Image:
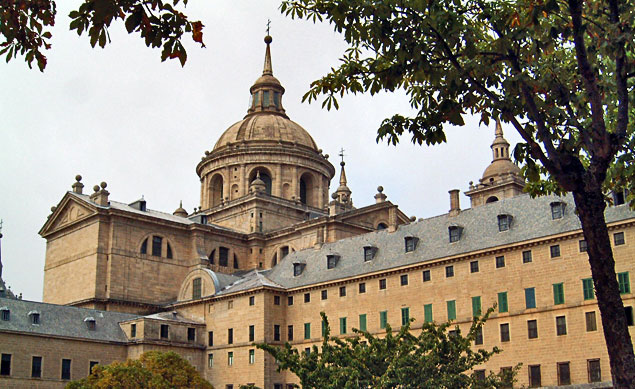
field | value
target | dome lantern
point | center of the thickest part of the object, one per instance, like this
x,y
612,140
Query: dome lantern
x,y
266,92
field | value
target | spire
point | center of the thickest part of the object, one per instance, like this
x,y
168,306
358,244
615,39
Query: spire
x,y
343,193
266,92
268,69
500,146
342,174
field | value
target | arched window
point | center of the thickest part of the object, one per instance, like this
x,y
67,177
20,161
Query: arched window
x,y
216,190
284,251
491,199
169,254
381,226
302,191
264,176
144,246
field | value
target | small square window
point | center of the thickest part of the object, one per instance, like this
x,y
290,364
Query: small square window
x,y
362,287
342,291
618,238
290,300
504,222
276,300
307,297
527,258
479,375
324,294
500,262
449,271
297,269
331,261
583,246
411,243
555,250
474,267
252,300
403,279
369,253
557,210
382,283
426,275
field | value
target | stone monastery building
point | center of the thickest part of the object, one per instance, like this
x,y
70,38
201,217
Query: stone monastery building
x,y
269,249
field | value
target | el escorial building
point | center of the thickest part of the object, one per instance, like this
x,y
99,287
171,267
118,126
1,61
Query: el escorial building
x,y
269,249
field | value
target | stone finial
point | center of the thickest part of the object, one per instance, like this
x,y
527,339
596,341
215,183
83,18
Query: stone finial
x,y
78,187
413,218
380,197
100,197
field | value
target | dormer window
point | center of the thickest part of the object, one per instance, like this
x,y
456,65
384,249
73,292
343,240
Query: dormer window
x,y
411,243
455,233
298,268
369,253
557,210
504,222
5,314
90,323
35,317
331,261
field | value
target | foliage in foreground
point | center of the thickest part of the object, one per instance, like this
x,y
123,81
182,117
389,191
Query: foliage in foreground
x,y
153,369
436,358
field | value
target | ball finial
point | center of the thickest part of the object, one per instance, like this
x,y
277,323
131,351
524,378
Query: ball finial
x,y
268,39
103,185
380,189
96,188
78,178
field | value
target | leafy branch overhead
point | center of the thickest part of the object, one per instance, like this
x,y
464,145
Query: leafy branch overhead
x,y
159,23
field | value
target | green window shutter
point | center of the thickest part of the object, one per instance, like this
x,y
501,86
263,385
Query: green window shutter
x,y
502,302
427,313
342,325
362,322
307,330
405,316
587,289
530,298
452,310
476,306
383,319
624,282
558,293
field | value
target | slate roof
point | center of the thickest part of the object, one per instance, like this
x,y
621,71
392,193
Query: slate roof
x,y
250,280
62,320
531,220
172,316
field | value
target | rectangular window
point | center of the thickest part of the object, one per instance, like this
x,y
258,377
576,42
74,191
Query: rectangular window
x,y
191,334
427,313
230,358
564,373
502,302
331,261
500,262
629,316
290,333
36,367
66,369
290,300
478,336
532,329
133,330
91,366
587,289
503,222
383,319
324,294
276,300
591,324
583,246
504,329
156,245
530,298
252,356
230,336
405,316
558,293
252,333
307,297
223,256
276,332
595,374
362,287
527,256
342,291
342,325
210,338
165,331
561,325
265,98
307,330
451,310
276,102
449,271
426,275
455,233
476,306
624,282
479,375
534,376
196,288
411,243
557,210
369,253
5,365
210,360
474,267
35,318
555,251
362,322
382,284
618,238
252,300
403,279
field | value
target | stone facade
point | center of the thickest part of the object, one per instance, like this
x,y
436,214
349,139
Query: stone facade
x,y
267,251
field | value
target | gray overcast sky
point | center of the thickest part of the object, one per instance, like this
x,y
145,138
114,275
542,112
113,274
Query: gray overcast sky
x,y
120,115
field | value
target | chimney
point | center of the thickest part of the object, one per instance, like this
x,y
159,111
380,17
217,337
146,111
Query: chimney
x,y
455,207
78,186
100,197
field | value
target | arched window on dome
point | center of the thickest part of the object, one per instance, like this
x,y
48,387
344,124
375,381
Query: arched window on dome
x,y
307,190
216,190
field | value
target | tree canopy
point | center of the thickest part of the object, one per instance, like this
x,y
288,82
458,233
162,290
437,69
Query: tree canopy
x,y
561,72
439,357
153,369
24,25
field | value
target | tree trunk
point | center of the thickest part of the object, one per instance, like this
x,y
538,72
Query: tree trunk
x,y
590,207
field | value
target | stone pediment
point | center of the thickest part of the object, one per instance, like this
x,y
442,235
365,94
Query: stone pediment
x,y
70,211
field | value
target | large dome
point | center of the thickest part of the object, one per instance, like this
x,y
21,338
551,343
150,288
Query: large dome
x,y
266,127
500,167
